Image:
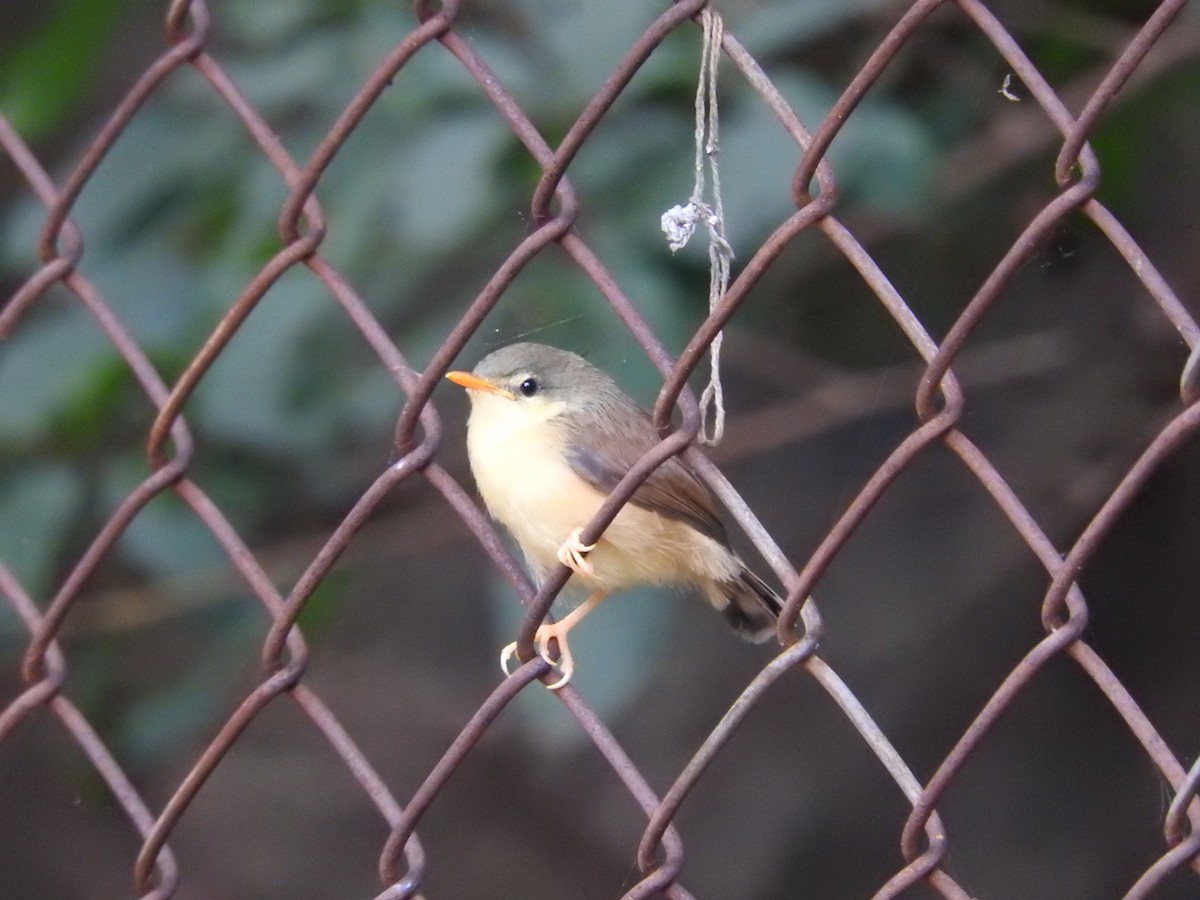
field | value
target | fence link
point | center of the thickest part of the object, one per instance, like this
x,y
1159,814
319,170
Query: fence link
x,y
926,840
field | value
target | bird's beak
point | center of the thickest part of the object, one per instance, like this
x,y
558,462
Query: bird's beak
x,y
475,383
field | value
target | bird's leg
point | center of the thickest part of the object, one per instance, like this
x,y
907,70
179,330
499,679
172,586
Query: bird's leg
x,y
557,632
572,554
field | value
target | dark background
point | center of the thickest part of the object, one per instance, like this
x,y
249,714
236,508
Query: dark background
x,y
929,606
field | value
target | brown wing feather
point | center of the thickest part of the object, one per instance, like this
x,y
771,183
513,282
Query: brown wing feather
x,y
603,448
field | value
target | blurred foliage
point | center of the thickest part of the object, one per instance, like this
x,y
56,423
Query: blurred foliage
x,y
43,84
425,200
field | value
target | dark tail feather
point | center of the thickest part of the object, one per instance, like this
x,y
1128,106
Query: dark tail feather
x,y
752,607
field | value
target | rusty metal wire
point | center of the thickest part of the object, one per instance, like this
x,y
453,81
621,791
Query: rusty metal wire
x,y
940,402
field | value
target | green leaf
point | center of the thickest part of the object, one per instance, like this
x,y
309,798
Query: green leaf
x,y
44,82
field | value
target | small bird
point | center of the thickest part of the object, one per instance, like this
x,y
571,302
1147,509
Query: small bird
x,y
549,436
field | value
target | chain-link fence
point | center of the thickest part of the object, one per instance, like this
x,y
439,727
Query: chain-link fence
x,y
928,838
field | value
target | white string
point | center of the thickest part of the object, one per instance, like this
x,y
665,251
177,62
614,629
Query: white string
x,y
679,222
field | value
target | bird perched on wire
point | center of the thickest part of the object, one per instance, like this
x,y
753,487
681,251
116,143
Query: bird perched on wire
x,y
549,436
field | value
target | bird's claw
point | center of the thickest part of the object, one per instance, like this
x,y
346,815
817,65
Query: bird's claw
x,y
545,633
573,554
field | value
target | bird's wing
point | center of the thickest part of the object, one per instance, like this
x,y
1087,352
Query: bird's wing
x,y
602,452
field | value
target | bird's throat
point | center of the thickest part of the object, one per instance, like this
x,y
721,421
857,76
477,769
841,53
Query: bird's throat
x,y
517,457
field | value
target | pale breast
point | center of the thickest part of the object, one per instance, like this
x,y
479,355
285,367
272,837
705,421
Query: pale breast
x,y
516,457
520,470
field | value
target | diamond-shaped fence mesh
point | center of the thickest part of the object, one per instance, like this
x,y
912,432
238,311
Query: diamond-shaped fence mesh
x,y
937,779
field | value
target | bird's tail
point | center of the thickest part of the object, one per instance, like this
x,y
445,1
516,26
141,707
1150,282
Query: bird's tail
x,y
750,606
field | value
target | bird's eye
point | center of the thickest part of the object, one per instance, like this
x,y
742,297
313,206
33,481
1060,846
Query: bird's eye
x,y
529,387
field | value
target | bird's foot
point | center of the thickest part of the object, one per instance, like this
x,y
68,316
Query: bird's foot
x,y
573,554
542,637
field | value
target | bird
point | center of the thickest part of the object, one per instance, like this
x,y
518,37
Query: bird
x,y
549,435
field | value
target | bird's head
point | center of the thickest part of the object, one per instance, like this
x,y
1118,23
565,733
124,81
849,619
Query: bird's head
x,y
533,383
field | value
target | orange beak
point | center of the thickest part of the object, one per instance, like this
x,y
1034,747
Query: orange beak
x,y
475,383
